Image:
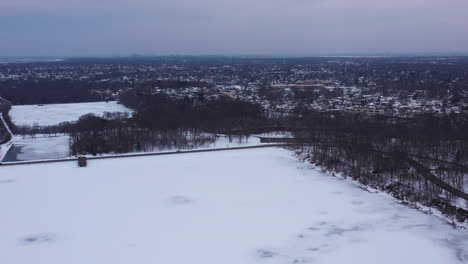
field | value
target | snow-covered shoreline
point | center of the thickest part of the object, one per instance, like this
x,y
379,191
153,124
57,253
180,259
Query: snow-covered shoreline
x,y
417,206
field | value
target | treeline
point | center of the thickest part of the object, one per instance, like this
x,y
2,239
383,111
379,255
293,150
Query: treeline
x,y
159,122
4,135
50,91
112,136
410,158
161,111
5,107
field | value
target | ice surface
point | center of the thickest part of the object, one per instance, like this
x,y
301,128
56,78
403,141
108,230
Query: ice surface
x,y
231,207
53,114
39,147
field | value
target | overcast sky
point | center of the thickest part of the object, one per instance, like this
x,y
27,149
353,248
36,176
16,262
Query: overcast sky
x,y
286,27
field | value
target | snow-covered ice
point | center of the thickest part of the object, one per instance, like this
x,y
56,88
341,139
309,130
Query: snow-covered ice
x,y
53,114
38,148
242,206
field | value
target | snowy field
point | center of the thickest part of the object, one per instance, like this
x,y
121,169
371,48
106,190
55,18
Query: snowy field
x,y
53,114
231,207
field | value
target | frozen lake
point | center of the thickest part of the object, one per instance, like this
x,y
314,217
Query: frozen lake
x,y
231,207
53,114
38,148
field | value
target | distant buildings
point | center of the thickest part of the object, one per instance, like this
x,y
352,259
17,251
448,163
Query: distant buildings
x,y
371,111
307,84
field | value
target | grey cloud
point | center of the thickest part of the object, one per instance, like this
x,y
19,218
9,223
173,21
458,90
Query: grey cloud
x,y
83,27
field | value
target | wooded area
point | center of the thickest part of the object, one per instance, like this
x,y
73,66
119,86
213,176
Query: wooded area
x,y
421,160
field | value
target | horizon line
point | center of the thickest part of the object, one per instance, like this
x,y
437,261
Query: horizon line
x,y
240,55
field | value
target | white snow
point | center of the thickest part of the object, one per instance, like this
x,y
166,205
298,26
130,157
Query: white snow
x,y
231,207
42,147
223,142
53,114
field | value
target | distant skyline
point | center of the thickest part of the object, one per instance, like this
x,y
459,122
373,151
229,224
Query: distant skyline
x,y
236,27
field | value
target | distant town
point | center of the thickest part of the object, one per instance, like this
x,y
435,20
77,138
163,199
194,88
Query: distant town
x,y
404,87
